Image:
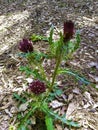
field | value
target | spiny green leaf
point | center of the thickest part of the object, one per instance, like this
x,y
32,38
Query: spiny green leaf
x,y
22,127
18,97
26,69
25,120
55,116
35,38
56,92
78,40
29,72
19,116
36,56
22,55
77,76
53,48
63,119
51,35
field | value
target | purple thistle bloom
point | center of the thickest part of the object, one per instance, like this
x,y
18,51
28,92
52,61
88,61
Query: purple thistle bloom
x,y
68,30
37,87
25,46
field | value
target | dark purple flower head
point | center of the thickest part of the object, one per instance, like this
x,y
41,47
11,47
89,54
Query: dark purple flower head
x,y
68,30
25,46
37,87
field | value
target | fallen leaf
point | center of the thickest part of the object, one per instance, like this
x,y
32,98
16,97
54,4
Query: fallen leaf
x,y
33,120
95,78
86,105
70,97
58,127
71,108
8,112
24,106
66,128
29,80
93,64
88,97
76,91
96,85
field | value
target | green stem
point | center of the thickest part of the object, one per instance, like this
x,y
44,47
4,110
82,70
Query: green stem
x,y
55,71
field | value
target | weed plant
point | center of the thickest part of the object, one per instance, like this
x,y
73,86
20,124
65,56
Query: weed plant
x,y
41,91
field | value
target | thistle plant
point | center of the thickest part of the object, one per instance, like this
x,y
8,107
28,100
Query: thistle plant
x,y
42,90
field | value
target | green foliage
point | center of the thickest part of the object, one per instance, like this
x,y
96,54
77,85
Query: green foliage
x,y
50,39
58,50
26,69
56,92
77,76
78,40
19,98
26,119
35,38
49,123
11,128
29,72
36,56
23,127
55,116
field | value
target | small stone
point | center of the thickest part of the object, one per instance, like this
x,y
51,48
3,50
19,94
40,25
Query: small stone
x,y
56,104
96,27
91,35
76,91
70,97
30,80
13,110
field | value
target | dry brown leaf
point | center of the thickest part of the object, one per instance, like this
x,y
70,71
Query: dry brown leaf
x,y
8,113
76,91
94,78
23,107
86,105
89,98
71,108
58,127
93,64
66,128
70,97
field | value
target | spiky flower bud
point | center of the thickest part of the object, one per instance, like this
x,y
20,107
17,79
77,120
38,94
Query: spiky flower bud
x,y
25,46
68,30
37,87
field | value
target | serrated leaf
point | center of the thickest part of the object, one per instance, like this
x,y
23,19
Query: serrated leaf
x,y
19,98
77,76
35,38
51,35
19,116
49,123
25,120
78,40
53,48
22,127
26,69
63,119
55,116
23,55
36,56
29,72
58,92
